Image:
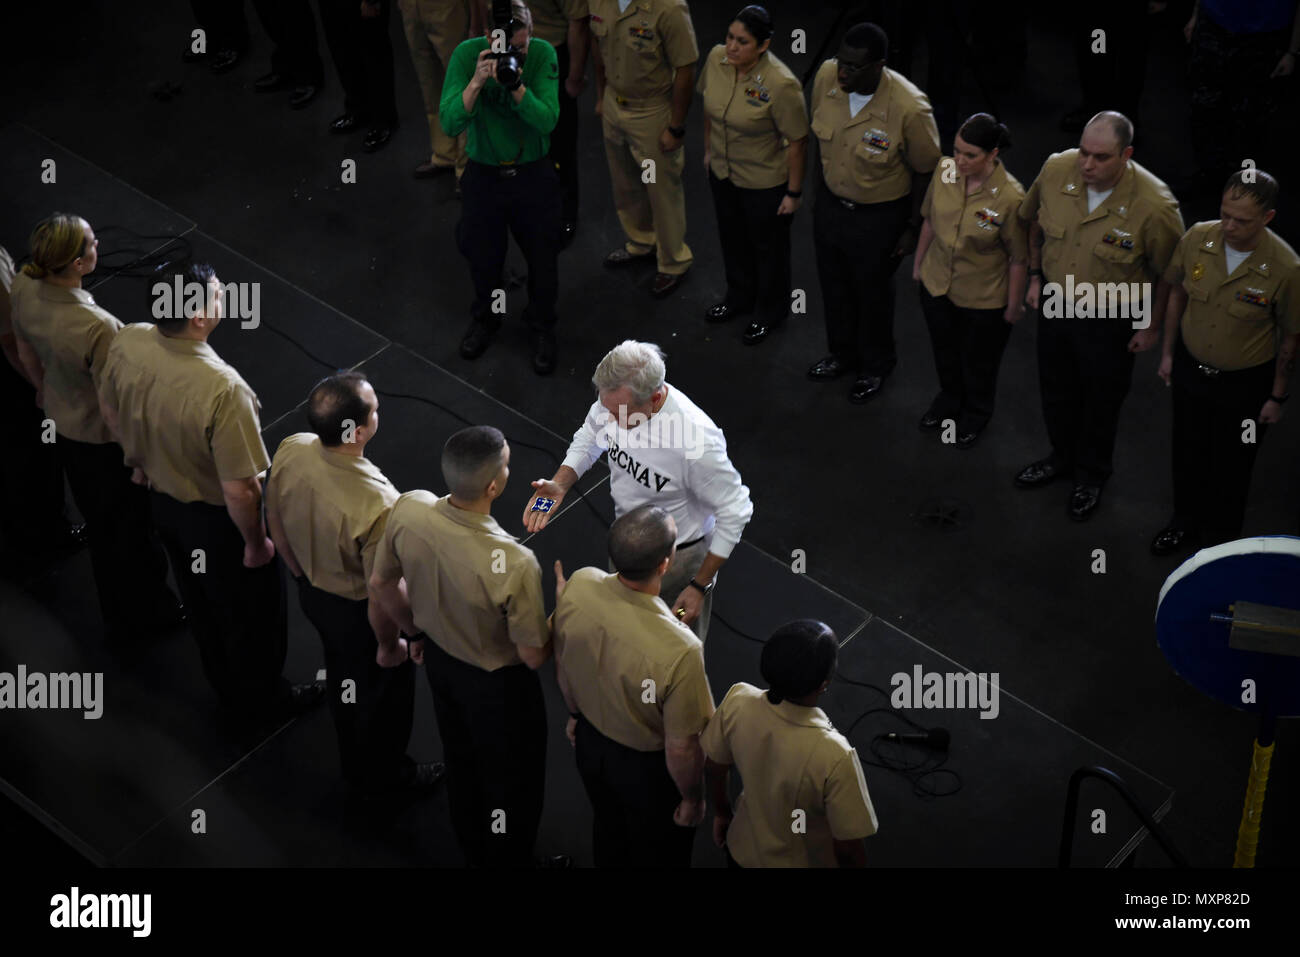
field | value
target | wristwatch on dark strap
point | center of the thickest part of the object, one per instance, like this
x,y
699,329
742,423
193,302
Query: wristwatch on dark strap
x,y
1279,399
702,589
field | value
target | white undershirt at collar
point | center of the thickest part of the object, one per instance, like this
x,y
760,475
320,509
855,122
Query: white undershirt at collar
x,y
1235,257
1096,198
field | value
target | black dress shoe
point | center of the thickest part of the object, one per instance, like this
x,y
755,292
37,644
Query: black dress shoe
x,y
1076,119
544,351
827,368
377,139
425,776
430,169
478,337
665,284
269,83
966,440
1084,501
759,330
866,388
568,229
554,862
302,95
76,537
1037,474
720,313
304,697
621,257
223,61
930,421
1172,539
345,123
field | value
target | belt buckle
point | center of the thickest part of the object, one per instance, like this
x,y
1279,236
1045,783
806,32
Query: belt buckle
x,y
1208,371
847,204
509,171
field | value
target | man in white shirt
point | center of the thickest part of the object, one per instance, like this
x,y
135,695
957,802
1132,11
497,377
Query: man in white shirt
x,y
663,450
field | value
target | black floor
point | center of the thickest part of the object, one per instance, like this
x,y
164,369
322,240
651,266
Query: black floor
x,y
367,275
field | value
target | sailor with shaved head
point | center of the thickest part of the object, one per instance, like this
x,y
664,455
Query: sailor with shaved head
x,y
476,593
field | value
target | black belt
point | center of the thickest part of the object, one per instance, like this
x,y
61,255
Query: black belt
x,y
693,541
505,170
1209,371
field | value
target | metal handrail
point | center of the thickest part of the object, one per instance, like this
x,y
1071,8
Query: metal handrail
x,y
1115,781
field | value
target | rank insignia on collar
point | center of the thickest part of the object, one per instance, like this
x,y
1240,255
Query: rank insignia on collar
x,y
1263,267
1070,187
1198,270
993,190
1123,210
1209,244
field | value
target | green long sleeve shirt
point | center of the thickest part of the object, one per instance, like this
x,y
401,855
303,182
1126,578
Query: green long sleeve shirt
x,y
501,130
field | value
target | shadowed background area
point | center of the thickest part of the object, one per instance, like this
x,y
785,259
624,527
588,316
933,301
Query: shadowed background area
x,y
916,553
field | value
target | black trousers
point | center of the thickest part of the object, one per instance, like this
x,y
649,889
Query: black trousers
x,y
1236,107
1211,463
129,564
363,56
1113,80
968,346
856,264
372,720
564,144
292,28
224,22
633,798
495,206
493,726
34,523
755,247
1084,373
237,615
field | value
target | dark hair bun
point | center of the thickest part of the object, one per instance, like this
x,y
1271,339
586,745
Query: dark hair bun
x,y
758,22
984,131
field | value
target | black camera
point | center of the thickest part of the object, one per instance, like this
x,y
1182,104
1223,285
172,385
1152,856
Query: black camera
x,y
510,61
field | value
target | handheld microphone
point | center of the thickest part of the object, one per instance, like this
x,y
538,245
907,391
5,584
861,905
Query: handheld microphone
x,y
935,738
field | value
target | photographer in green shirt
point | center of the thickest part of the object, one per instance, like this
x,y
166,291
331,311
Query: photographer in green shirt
x,y
503,89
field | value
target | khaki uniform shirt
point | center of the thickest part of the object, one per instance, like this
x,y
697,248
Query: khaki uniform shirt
x,y
551,19
634,670
186,416
791,759
870,158
333,507
975,237
1129,237
474,589
71,336
753,118
1232,322
643,47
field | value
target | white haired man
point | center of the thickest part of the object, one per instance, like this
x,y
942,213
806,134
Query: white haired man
x,y
663,450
